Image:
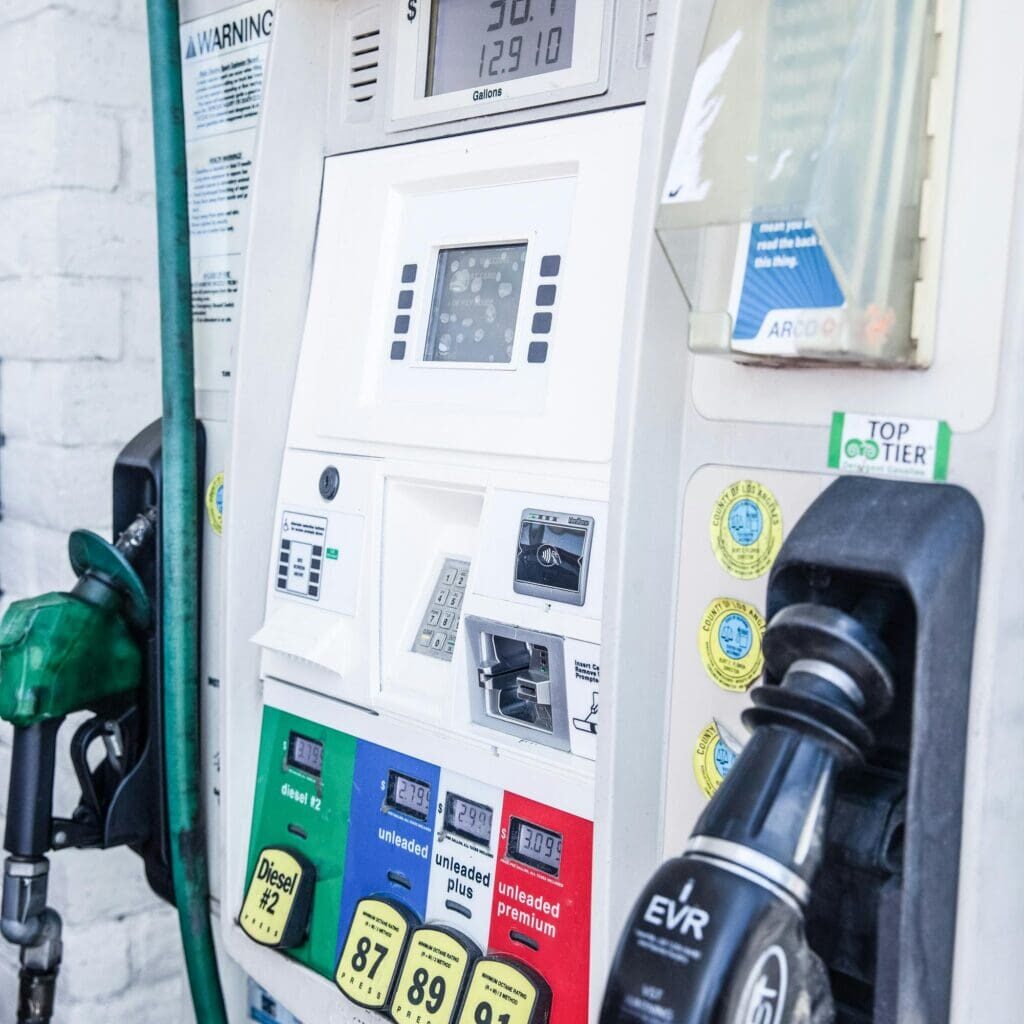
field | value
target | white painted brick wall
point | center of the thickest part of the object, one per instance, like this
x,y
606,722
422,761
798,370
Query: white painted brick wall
x,y
79,376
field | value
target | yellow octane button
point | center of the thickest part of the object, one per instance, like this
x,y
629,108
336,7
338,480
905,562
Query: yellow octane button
x,y
279,898
502,991
376,940
433,975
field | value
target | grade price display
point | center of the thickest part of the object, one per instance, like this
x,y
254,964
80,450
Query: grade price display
x,y
408,795
485,42
535,846
305,754
467,818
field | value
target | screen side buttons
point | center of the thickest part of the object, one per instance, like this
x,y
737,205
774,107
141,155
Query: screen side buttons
x,y
279,899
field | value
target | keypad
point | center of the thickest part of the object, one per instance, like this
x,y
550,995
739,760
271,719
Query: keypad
x,y
440,624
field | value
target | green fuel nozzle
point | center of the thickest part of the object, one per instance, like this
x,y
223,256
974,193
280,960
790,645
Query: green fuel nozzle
x,y
61,653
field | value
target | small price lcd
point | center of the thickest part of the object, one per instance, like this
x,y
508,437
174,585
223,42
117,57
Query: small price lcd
x,y
476,43
305,754
538,847
476,304
408,795
467,818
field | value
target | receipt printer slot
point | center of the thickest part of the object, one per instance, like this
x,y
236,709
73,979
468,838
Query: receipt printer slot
x,y
521,681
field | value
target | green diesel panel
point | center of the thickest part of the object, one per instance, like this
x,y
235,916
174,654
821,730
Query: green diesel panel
x,y
296,807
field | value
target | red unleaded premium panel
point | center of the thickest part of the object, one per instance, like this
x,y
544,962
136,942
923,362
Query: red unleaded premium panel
x,y
541,909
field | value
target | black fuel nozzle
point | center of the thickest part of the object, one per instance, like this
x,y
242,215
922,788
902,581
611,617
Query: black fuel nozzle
x,y
717,936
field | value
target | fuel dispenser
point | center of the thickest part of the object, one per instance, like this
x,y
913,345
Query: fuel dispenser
x,y
812,408
418,505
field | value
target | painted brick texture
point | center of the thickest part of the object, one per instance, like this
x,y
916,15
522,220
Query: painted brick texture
x,y
78,377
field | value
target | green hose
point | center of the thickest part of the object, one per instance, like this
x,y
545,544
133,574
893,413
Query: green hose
x,y
179,519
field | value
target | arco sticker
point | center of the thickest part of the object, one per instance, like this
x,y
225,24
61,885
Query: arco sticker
x,y
215,503
746,529
712,759
729,639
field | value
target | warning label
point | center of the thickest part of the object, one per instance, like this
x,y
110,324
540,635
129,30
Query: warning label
x,y
223,68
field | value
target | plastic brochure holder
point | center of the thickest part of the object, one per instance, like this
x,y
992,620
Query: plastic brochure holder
x,y
792,212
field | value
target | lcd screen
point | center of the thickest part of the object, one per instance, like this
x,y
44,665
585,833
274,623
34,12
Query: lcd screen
x,y
550,555
480,43
535,846
305,754
408,795
475,305
468,818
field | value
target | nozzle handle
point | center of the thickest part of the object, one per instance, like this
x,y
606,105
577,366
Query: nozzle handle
x,y
30,791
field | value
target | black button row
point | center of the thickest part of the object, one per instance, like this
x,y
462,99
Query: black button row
x,y
405,297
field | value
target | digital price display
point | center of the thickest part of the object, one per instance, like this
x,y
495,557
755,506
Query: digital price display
x,y
467,818
477,43
538,847
408,795
305,754
475,304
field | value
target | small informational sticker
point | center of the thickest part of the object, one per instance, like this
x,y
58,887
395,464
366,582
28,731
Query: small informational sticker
x,y
500,994
712,759
215,503
300,558
729,639
746,529
911,449
373,949
265,1009
432,977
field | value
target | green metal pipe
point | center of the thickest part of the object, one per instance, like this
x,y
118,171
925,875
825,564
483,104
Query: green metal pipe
x,y
179,519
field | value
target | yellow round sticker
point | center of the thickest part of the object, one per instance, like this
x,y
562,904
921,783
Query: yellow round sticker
x,y
712,759
215,503
730,643
746,529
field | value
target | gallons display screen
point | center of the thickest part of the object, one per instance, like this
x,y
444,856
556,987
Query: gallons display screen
x,y
467,818
475,304
538,847
550,555
408,795
480,43
305,754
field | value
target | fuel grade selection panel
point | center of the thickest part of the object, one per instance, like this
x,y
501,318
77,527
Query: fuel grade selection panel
x,y
419,876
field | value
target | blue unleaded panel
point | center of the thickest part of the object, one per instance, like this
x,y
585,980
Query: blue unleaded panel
x,y
391,830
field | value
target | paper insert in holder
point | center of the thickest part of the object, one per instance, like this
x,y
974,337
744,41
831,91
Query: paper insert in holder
x,y
792,208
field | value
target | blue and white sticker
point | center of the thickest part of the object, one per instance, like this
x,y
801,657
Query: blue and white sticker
x,y
785,297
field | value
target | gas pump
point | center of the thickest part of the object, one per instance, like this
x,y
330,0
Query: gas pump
x,y
803,424
418,496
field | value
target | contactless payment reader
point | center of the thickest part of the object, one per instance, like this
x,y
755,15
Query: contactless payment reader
x,y
416,589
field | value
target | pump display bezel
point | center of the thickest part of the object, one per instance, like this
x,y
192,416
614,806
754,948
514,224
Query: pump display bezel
x,y
411,107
